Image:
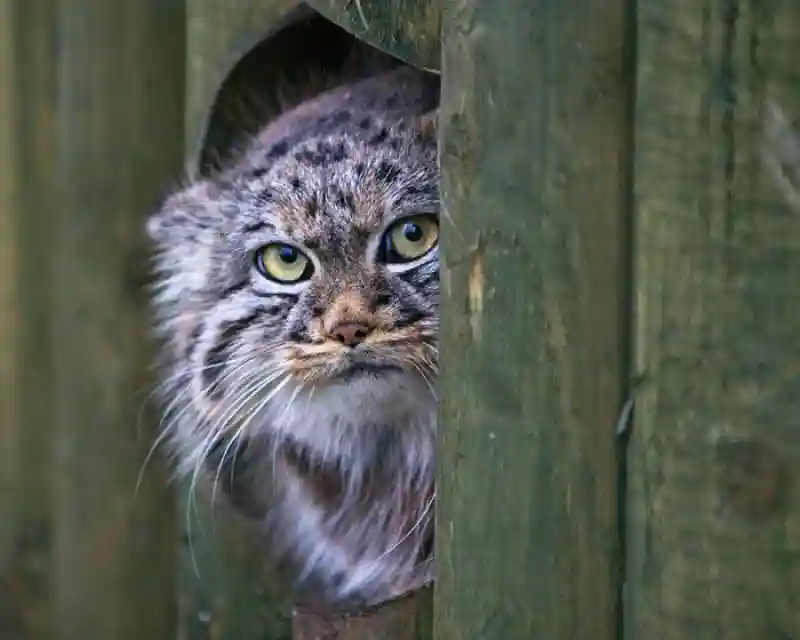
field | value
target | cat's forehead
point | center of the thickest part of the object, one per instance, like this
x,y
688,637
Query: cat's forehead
x,y
334,190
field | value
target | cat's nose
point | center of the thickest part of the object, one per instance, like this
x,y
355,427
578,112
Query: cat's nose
x,y
349,333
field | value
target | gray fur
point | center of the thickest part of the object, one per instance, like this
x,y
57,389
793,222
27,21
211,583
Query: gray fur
x,y
338,470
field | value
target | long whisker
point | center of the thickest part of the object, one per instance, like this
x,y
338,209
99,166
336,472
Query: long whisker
x,y
184,374
206,445
258,408
164,432
414,527
243,396
191,495
249,417
190,540
238,435
217,432
420,364
420,368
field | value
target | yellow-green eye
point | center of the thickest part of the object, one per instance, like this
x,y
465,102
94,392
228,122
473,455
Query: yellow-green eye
x,y
410,238
283,263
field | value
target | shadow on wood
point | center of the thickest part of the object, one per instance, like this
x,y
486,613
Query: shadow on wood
x,y
407,618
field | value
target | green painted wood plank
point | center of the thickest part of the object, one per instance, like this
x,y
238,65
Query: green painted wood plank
x,y
27,169
714,525
120,140
534,153
10,435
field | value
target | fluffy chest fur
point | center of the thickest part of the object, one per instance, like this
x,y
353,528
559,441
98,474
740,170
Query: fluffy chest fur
x,y
297,300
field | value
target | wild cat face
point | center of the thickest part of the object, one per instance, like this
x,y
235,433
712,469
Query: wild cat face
x,y
301,298
352,251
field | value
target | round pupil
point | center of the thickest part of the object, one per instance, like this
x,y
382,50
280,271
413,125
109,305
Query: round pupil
x,y
288,254
412,232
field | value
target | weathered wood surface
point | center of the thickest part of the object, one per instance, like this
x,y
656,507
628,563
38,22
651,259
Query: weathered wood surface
x,y
406,29
27,119
714,502
119,134
534,155
219,33
10,434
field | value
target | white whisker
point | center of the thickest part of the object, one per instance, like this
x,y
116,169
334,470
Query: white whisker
x,y
246,421
427,509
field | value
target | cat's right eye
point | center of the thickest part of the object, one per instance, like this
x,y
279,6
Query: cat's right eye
x,y
409,239
283,263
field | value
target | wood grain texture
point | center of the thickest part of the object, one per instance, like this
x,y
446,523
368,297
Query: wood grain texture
x,y
714,503
27,172
406,29
534,153
9,301
120,138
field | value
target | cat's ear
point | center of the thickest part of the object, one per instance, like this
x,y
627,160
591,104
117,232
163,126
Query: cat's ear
x,y
185,214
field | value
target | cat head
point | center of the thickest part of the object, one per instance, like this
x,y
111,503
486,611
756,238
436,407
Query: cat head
x,y
299,297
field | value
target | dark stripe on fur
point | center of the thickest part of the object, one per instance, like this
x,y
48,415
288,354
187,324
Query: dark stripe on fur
x,y
235,288
218,355
409,317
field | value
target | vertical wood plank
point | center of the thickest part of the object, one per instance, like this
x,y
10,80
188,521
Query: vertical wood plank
x,y
534,151
120,138
9,317
714,523
27,167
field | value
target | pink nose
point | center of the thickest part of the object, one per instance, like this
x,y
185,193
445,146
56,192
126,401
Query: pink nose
x,y
350,333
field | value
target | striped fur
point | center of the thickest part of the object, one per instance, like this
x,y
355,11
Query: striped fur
x,y
337,469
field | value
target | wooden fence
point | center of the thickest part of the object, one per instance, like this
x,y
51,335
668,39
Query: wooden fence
x,y
622,187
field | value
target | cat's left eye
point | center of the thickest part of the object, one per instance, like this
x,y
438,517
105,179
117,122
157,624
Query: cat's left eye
x,y
409,239
283,263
